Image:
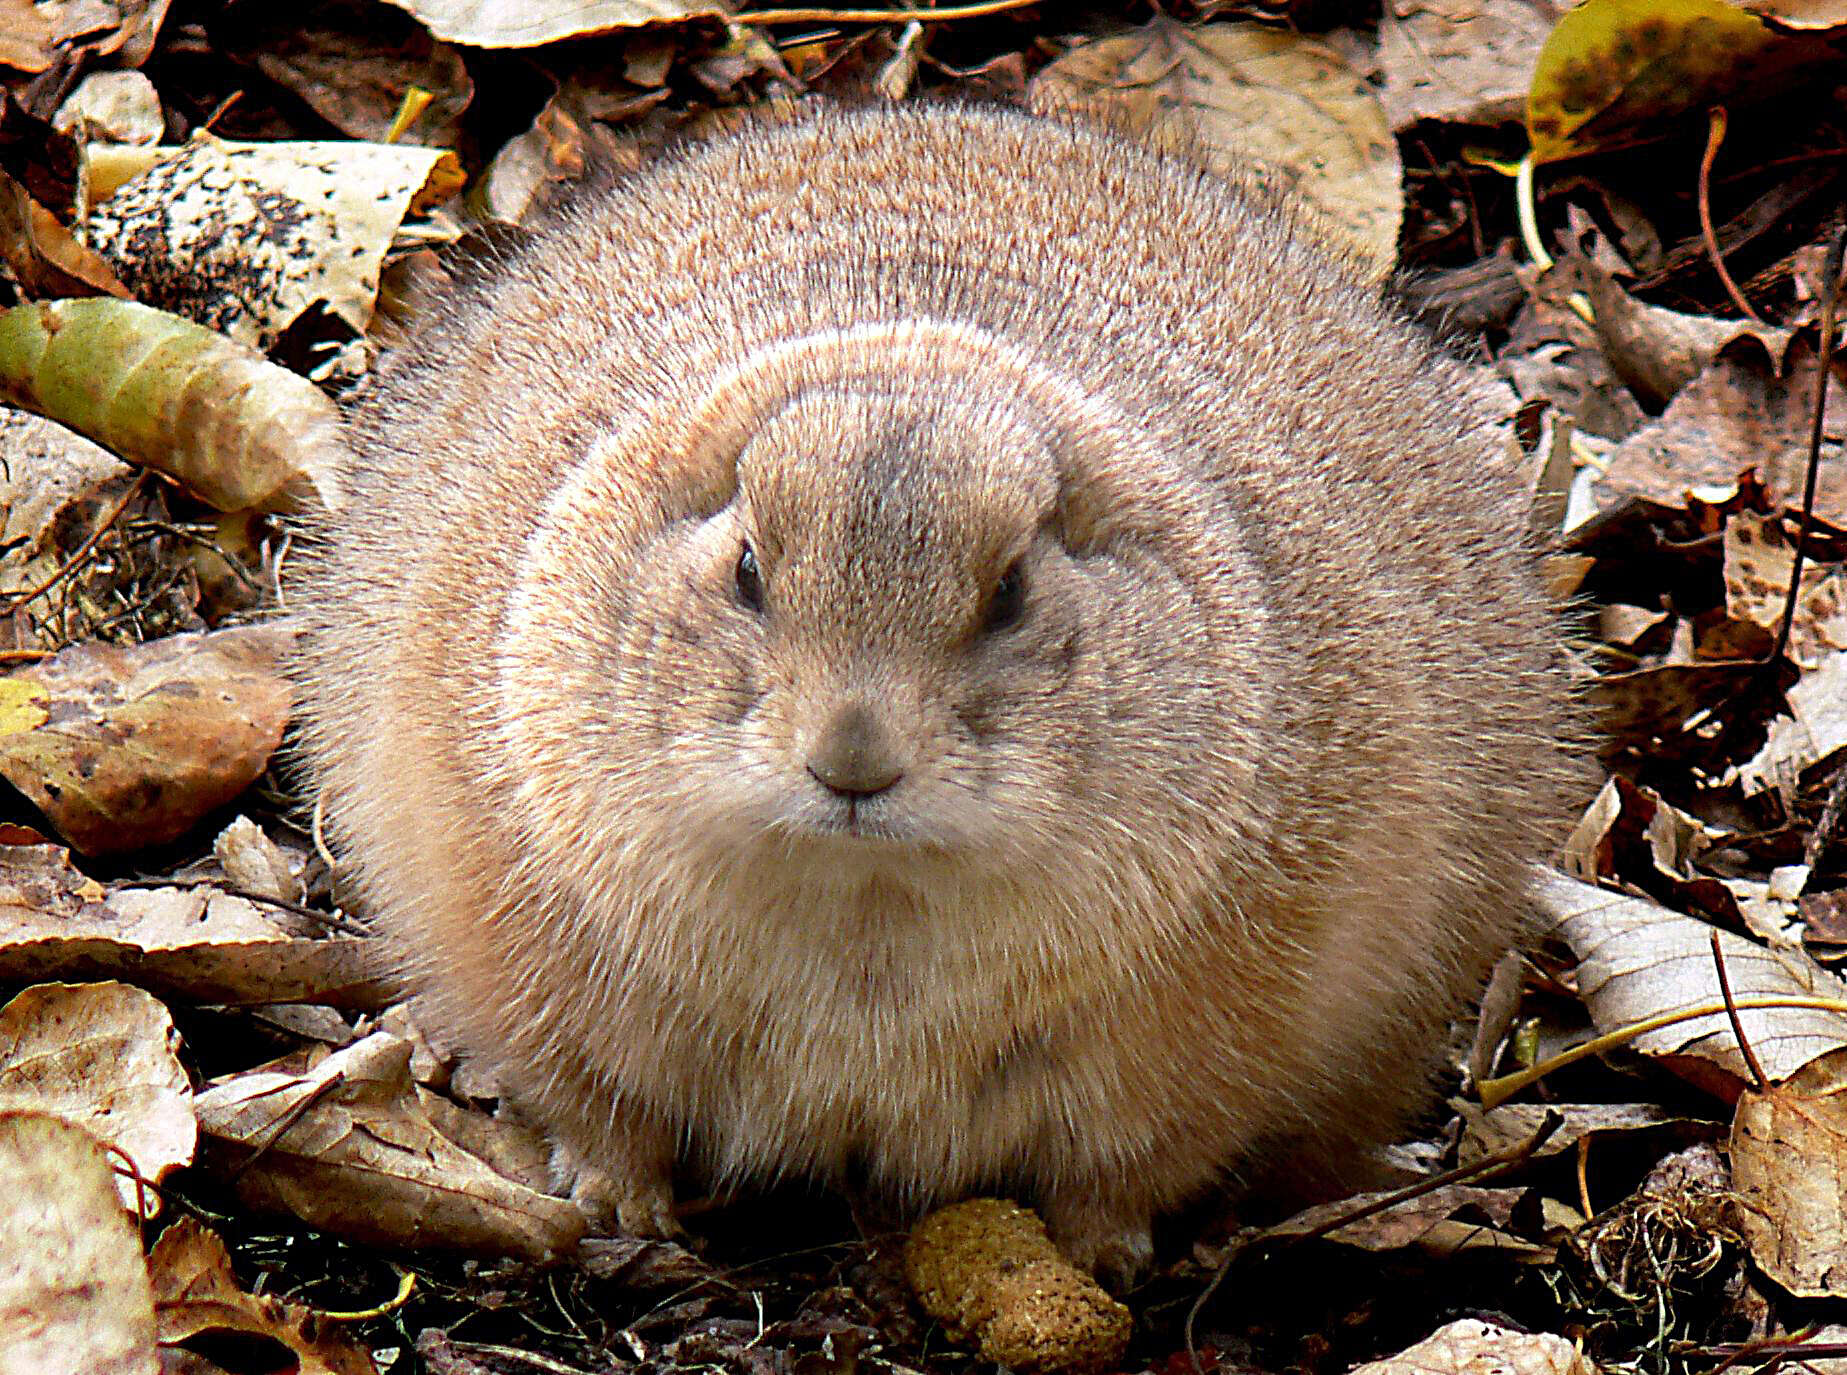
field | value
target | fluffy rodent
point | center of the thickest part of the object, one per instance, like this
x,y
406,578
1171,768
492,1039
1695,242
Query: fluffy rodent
x,y
937,647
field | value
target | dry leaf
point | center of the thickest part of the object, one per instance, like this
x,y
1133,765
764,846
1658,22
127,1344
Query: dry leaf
x,y
74,1294
1789,1167
1740,413
1474,1347
233,428
195,943
351,63
244,237
1487,1132
198,1302
255,864
26,36
1465,61
113,107
1233,95
1759,559
1456,1217
43,256
138,744
1639,960
55,486
1655,351
102,1056
528,23
1811,737
346,1142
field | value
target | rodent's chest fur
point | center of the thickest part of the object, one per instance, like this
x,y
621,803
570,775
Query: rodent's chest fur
x,y
934,1024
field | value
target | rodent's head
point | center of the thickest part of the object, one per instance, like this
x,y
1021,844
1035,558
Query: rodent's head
x,y
903,610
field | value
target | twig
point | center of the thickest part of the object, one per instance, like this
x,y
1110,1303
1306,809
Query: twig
x,y
1830,298
1758,1078
1715,135
827,16
1513,1155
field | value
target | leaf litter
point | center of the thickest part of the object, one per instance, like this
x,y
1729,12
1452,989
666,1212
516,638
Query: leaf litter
x,y
160,866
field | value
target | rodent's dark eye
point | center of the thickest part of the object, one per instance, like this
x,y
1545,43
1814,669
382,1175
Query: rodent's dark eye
x,y
750,581
1008,603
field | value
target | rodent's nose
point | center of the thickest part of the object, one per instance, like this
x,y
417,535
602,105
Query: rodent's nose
x,y
852,756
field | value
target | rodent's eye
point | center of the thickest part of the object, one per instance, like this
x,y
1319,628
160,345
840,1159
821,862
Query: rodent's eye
x,y
749,581
1008,603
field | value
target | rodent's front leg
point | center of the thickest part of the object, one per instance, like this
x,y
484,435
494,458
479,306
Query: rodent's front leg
x,y
1102,1230
629,1180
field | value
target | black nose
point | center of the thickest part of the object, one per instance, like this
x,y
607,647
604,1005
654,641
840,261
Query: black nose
x,y
853,756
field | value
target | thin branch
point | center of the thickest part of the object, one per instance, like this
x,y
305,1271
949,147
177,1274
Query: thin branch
x,y
1758,1077
1715,135
1824,362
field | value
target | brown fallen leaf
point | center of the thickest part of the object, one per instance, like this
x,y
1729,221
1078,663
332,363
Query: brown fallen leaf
x,y
1741,412
74,1292
352,64
1456,1217
55,489
1638,960
197,1300
102,1056
348,1143
1474,1347
43,256
1463,61
1759,559
1236,94
1789,1167
1487,1132
233,428
133,746
1656,351
196,943
1806,742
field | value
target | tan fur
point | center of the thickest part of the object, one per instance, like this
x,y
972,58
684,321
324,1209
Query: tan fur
x,y
1184,873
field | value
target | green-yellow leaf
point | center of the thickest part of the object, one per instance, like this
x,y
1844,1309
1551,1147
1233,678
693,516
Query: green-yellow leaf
x,y
1617,71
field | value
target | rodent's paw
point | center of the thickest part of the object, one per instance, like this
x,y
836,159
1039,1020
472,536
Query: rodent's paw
x,y
1113,1241
629,1189
639,1208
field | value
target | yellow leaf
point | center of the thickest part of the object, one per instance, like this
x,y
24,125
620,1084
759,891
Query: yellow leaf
x,y
1615,71
22,706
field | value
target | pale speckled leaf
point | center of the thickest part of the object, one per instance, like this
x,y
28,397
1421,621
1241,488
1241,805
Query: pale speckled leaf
x,y
243,237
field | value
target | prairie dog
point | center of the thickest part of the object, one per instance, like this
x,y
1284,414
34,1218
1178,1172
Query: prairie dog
x,y
940,646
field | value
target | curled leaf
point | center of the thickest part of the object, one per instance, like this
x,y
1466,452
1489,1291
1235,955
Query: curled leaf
x,y
215,416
